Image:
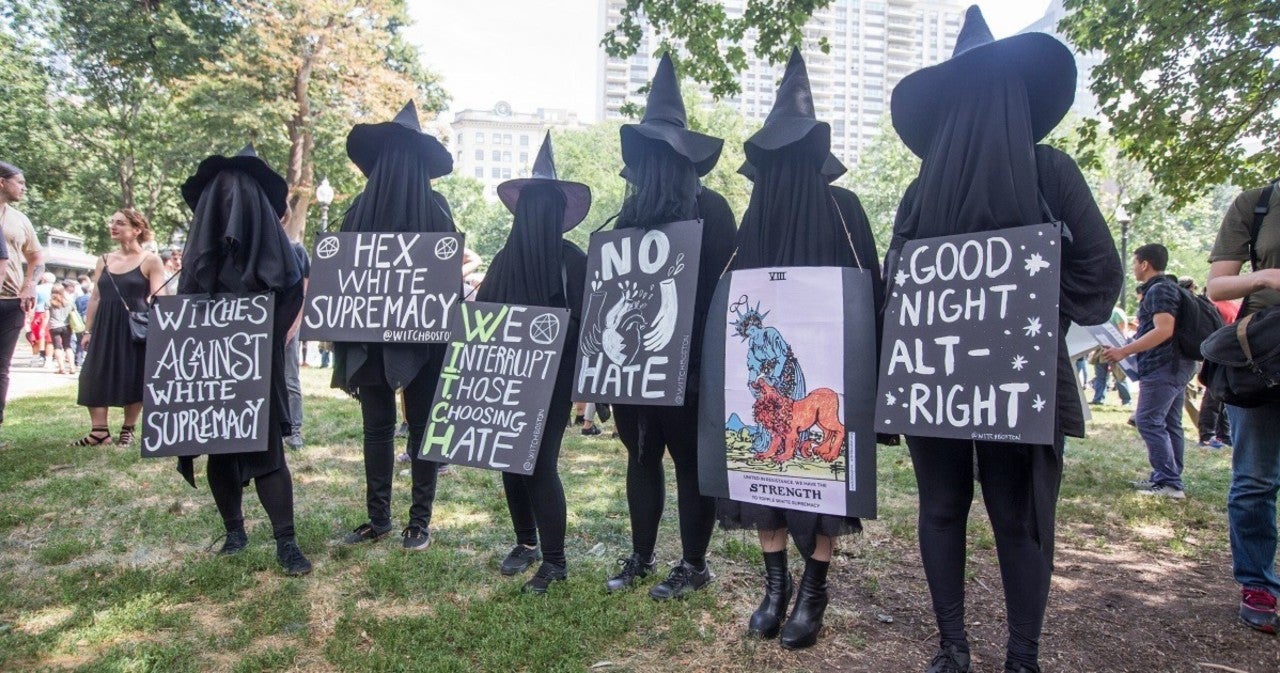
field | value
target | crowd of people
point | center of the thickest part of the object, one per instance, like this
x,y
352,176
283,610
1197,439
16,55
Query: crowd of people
x,y
983,168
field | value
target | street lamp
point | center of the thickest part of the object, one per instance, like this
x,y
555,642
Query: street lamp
x,y
324,196
1125,219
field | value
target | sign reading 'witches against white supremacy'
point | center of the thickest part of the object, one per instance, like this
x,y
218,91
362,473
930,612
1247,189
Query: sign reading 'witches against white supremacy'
x,y
208,374
383,287
971,337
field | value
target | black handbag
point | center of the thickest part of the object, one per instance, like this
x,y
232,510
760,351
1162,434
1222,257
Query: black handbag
x,y
1242,360
138,320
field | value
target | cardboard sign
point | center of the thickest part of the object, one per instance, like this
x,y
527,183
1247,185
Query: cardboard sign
x,y
787,396
1107,335
207,379
490,407
970,348
637,324
383,287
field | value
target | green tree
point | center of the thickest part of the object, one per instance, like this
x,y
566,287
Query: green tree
x,y
485,223
885,169
1192,90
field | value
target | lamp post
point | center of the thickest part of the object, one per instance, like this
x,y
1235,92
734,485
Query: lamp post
x,y
324,196
1124,218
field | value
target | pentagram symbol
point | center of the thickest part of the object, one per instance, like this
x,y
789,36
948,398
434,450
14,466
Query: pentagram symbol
x,y
446,248
328,247
544,329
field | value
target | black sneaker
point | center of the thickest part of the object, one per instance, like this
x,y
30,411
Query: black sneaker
x,y
1010,667
233,543
291,558
591,431
541,581
682,580
950,659
366,533
416,538
520,559
633,568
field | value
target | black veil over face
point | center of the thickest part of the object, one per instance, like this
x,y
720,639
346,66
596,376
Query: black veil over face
x,y
792,218
662,187
980,171
528,268
398,197
236,243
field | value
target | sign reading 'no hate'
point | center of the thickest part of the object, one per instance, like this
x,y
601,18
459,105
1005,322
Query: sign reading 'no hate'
x,y
490,408
971,337
383,287
208,375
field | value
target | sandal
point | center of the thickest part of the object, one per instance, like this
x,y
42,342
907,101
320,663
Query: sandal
x,y
98,435
125,438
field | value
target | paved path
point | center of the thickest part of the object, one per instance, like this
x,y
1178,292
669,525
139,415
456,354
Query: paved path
x,y
26,380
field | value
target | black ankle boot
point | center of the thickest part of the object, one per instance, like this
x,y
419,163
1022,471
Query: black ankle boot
x,y
811,603
767,618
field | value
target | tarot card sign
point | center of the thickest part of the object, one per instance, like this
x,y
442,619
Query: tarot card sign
x,y
383,287
637,323
971,337
500,368
787,420
207,378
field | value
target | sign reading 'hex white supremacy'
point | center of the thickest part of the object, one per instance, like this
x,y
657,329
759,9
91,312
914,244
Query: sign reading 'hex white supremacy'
x,y
208,374
383,287
491,403
971,337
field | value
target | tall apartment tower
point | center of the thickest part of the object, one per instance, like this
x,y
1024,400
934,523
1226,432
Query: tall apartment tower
x,y
1086,104
874,44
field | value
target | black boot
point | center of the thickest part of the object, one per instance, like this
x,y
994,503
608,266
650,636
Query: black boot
x,y
767,618
811,603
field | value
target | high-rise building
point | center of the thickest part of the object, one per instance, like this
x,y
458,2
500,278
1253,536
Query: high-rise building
x,y
499,144
1086,104
873,45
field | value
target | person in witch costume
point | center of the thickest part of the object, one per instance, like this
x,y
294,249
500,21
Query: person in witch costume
x,y
975,121
236,244
538,267
795,218
400,161
664,161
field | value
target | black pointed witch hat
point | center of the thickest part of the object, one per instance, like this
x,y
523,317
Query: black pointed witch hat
x,y
792,120
246,160
577,196
1043,63
665,121
366,142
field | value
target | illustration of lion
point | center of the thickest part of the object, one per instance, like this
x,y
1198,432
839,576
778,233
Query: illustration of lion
x,y
788,421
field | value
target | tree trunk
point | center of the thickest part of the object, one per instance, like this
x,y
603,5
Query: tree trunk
x,y
302,142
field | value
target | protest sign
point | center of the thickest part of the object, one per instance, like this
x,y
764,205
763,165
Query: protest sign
x,y
207,378
1107,335
383,287
500,366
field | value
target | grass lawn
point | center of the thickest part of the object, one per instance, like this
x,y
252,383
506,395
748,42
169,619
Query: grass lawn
x,y
104,566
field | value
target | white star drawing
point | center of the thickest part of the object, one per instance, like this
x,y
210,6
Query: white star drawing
x,y
890,399
901,278
1032,328
1035,264
1018,363
1038,403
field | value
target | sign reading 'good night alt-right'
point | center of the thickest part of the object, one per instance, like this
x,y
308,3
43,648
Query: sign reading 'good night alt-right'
x,y
971,337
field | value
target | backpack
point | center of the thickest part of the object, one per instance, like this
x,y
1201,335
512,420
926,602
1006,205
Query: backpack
x,y
1197,319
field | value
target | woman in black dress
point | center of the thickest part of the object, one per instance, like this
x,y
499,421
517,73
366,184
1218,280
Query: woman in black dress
x,y
795,218
537,267
237,244
400,162
975,121
112,371
664,161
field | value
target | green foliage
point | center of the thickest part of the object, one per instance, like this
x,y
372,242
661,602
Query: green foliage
x,y
885,169
1192,89
486,223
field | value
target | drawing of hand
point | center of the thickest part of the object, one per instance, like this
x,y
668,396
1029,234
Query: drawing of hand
x,y
664,324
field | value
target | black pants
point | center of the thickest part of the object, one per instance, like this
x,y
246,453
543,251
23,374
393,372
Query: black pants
x,y
536,501
646,431
11,319
378,407
1213,418
275,490
1010,475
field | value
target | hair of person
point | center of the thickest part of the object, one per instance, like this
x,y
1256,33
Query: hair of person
x,y
48,277
1154,254
57,297
8,170
662,187
138,221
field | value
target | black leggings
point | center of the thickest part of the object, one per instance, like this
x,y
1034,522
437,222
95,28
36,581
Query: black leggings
x,y
275,491
536,501
944,475
378,407
646,431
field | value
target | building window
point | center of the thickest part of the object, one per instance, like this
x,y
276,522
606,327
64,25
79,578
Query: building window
x,y
506,157
496,155
524,140
495,172
524,158
480,136
506,174
479,155
479,172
